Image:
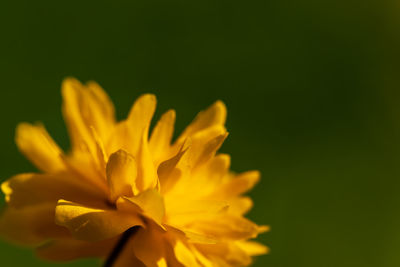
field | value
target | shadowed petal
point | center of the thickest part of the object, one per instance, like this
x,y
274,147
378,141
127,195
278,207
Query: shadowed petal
x,y
121,174
32,189
94,224
30,225
68,249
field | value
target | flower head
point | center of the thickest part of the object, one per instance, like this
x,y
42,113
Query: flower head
x,y
124,194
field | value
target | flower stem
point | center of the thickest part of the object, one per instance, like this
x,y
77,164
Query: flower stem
x,y
120,246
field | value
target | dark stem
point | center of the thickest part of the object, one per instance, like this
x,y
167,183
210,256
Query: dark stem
x,y
120,246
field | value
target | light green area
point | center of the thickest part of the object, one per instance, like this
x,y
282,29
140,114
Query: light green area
x,y
312,89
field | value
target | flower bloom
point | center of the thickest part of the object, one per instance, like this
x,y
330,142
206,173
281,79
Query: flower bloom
x,y
178,201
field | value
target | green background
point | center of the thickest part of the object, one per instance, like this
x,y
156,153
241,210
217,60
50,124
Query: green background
x,y
312,89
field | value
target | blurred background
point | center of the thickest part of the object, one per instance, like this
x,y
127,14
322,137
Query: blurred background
x,y
312,89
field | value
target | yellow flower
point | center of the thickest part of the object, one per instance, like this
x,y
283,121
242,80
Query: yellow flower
x,y
127,197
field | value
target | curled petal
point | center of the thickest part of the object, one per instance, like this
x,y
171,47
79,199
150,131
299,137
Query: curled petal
x,y
92,224
121,174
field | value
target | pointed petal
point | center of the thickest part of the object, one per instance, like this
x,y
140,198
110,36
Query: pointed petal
x,y
84,108
103,101
211,148
147,174
225,226
214,115
161,136
72,91
93,224
31,189
121,174
253,248
128,134
167,172
240,205
31,225
35,143
139,119
239,184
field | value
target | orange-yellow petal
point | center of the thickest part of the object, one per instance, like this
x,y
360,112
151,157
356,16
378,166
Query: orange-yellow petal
x,y
139,119
67,249
239,184
151,203
93,224
149,246
253,248
161,136
121,174
84,108
225,226
36,144
31,225
184,255
214,115
147,172
31,189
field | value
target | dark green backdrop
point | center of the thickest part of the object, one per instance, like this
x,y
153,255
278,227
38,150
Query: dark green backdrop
x,y
312,88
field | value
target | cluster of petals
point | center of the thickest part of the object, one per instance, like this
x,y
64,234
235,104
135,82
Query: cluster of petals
x,y
186,205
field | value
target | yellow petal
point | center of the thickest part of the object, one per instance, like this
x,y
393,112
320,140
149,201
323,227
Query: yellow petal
x,y
161,136
103,100
200,142
151,204
127,257
82,164
211,176
214,115
240,205
149,246
128,134
139,119
32,189
184,255
84,108
211,148
239,184
68,249
167,172
72,92
36,144
225,226
147,174
93,224
31,225
252,248
225,254
121,174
